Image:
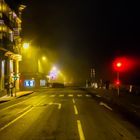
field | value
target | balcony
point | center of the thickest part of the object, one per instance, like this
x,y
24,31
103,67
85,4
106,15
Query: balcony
x,y
8,22
7,44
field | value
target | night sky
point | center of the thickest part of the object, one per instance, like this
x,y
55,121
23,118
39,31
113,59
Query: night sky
x,y
78,35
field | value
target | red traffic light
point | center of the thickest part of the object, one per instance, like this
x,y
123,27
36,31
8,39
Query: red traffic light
x,y
122,64
117,82
119,64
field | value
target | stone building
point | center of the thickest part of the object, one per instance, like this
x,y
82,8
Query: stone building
x,y
10,44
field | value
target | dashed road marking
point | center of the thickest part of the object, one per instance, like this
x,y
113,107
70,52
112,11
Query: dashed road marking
x,y
75,110
79,95
52,95
61,95
70,95
80,130
73,101
98,96
87,95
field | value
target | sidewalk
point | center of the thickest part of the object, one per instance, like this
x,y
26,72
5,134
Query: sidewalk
x,y
5,98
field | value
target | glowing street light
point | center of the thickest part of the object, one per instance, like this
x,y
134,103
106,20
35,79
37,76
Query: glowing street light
x,y
43,58
26,45
54,68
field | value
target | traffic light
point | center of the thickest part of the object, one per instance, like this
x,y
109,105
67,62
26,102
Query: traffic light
x,y
117,82
122,64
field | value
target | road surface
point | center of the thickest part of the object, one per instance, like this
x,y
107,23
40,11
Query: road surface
x,y
63,114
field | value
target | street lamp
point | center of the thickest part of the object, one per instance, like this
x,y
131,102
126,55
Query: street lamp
x,y
26,45
43,58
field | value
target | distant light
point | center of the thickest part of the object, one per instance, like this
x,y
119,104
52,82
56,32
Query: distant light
x,y
54,68
26,45
43,58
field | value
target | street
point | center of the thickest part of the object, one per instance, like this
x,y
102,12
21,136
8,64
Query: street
x,y
62,114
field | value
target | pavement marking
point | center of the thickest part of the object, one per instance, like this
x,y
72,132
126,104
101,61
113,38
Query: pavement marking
x,y
12,106
61,95
59,105
136,106
13,121
15,104
50,103
98,96
52,95
73,101
80,130
79,95
75,110
16,118
87,95
70,95
105,105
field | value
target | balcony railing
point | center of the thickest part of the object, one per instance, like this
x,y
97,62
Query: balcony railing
x,y
7,44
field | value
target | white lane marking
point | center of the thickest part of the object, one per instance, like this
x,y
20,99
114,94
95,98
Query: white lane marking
x,y
61,95
105,105
52,95
73,101
15,104
80,130
98,96
87,95
12,106
59,105
50,103
13,121
16,119
70,95
79,95
75,110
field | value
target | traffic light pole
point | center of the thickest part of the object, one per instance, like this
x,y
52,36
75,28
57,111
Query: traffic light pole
x,y
118,88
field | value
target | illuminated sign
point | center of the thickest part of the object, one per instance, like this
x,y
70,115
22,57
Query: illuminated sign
x,y
42,82
29,83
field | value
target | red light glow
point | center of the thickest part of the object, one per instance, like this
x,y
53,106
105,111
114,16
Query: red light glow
x,y
122,64
117,82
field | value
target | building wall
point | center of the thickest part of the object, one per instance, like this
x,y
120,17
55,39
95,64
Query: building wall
x,y
10,44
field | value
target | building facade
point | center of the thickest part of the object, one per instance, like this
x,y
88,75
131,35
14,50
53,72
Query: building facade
x,y
10,44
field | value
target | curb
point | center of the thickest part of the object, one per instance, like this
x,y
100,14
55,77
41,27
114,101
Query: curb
x,y
11,98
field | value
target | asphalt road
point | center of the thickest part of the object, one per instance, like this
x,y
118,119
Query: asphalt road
x,y
63,114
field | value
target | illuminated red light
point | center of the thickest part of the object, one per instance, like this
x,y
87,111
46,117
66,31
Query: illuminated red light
x,y
122,64
119,64
117,82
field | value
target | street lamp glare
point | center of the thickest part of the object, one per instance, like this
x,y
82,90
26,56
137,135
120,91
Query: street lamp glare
x,y
26,45
43,58
54,68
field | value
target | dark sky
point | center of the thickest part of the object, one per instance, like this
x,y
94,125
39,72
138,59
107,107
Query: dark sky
x,y
84,34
